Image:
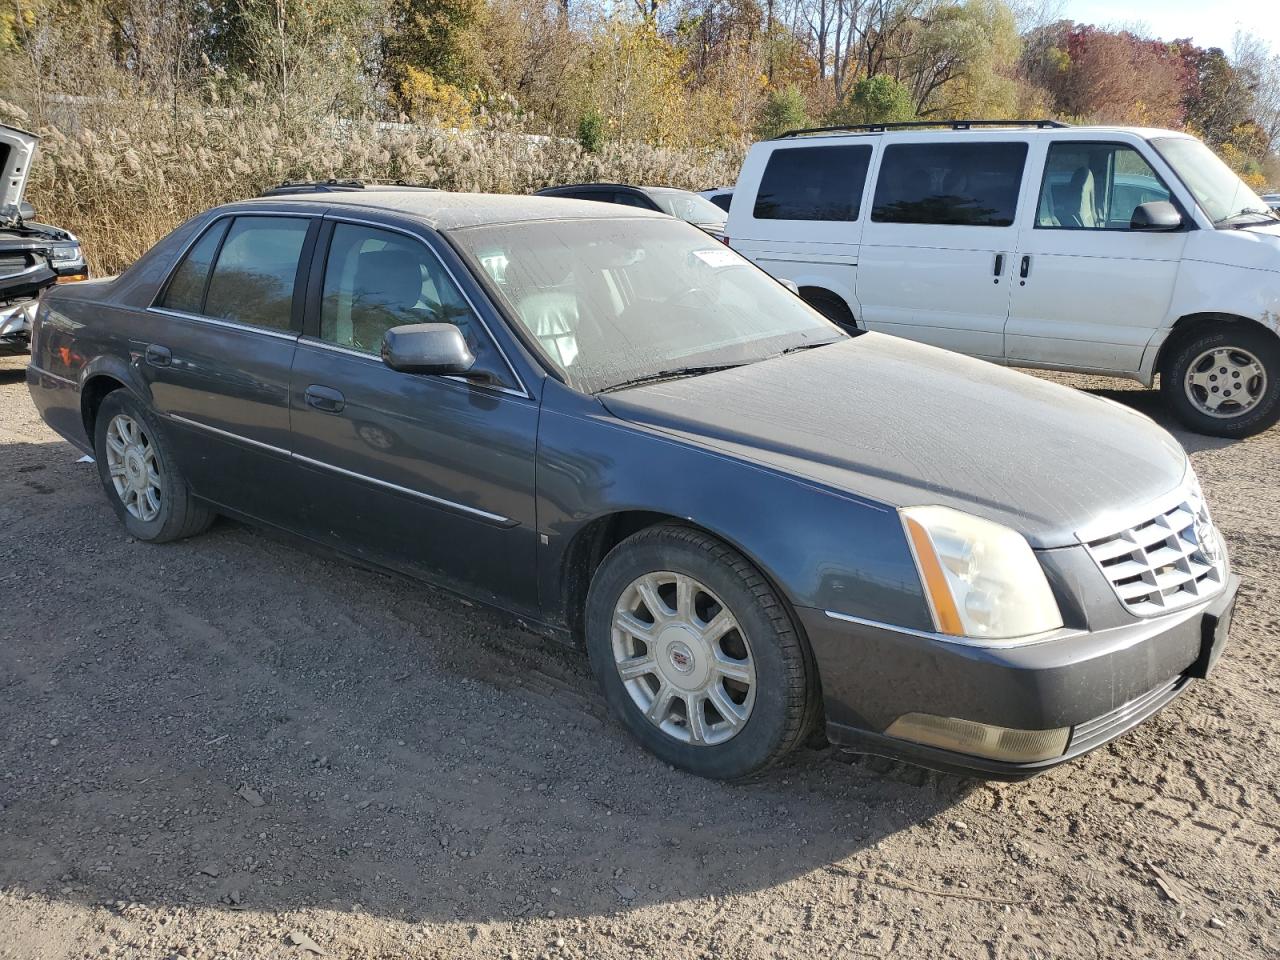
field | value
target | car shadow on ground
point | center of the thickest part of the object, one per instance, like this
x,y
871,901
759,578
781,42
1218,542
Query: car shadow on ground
x,y
234,723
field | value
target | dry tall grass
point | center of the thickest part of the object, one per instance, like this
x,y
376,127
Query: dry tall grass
x,y
122,176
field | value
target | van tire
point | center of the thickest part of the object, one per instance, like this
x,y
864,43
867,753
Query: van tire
x,y
1238,343
831,307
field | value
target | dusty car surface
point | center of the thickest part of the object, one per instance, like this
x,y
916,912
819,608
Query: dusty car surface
x,y
620,430
33,256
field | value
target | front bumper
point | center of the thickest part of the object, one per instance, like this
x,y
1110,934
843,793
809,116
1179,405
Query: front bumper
x,y
1100,684
15,326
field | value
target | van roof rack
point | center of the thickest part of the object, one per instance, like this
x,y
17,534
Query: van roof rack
x,y
923,124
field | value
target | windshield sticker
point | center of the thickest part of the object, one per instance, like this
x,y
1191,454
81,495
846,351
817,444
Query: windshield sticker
x,y
717,258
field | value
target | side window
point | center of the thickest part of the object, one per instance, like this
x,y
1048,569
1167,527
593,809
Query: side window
x,y
1095,186
627,199
186,287
722,200
376,279
958,184
813,183
253,280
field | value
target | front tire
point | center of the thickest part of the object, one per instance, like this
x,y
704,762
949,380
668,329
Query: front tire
x,y
697,655
141,476
1224,380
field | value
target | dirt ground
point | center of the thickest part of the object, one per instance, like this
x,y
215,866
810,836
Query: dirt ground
x,y
230,747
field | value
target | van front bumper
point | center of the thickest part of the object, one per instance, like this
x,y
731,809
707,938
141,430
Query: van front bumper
x,y
1095,686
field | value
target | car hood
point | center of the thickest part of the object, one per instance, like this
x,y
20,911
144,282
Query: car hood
x,y
906,424
17,150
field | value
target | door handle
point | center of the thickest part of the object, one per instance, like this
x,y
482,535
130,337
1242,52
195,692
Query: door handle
x,y
158,356
1025,268
999,264
325,399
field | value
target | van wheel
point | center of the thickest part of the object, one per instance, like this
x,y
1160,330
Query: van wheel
x,y
1224,380
831,307
697,655
140,475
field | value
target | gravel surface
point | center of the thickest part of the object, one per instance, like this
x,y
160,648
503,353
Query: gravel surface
x,y
232,747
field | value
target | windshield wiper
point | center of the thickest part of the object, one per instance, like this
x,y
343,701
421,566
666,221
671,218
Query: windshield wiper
x,y
675,373
809,346
1246,212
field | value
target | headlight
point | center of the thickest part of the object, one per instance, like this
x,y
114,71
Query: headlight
x,y
66,253
982,580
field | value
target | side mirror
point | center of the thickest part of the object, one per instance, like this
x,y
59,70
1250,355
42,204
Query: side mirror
x,y
427,348
1155,215
790,285
26,211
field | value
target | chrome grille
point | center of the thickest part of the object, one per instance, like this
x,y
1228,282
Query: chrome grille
x,y
1171,560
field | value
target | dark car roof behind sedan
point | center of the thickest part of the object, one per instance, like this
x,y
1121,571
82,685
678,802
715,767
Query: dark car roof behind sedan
x,y
445,211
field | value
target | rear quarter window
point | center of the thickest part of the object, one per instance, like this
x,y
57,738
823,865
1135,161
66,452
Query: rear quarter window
x,y
958,184
813,183
185,292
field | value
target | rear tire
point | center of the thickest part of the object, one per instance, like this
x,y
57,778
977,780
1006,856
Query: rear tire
x,y
140,474
1224,380
724,707
831,307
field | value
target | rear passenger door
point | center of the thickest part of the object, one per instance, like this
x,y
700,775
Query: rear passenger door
x,y
937,252
216,350
1094,290
430,474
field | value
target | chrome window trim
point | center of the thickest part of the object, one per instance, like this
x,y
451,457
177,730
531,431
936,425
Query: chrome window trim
x,y
229,324
229,435
305,340
421,238
53,376
438,501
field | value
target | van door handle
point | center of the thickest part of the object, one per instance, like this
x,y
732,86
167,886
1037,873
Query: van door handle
x,y
325,399
1025,268
158,356
999,264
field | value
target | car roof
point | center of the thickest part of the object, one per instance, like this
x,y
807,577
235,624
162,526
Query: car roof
x,y
442,210
927,134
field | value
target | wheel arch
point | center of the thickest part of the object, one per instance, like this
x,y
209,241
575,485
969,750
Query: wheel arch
x,y
589,546
811,291
92,392
1193,323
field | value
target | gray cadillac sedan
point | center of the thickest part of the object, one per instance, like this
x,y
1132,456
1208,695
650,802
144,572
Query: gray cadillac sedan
x,y
615,427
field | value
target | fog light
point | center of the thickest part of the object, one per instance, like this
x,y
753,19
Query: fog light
x,y
981,739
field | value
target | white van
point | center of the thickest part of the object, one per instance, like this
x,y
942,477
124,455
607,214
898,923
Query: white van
x,y
1110,250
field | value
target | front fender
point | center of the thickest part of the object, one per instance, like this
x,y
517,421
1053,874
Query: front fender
x,y
823,548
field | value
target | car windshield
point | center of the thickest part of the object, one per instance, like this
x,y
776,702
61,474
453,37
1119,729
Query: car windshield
x,y
613,301
687,206
1217,188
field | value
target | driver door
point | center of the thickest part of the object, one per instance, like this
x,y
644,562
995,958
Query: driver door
x,y
431,474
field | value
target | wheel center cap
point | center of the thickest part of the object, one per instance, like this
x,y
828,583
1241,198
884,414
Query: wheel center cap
x,y
681,659
134,468
681,656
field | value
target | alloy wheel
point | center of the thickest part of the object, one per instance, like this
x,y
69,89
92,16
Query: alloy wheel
x,y
133,467
684,659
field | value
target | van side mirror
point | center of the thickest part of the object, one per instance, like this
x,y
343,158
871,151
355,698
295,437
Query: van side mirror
x,y
427,348
1155,216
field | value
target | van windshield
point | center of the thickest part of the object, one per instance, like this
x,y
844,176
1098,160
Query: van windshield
x,y
1216,187
610,302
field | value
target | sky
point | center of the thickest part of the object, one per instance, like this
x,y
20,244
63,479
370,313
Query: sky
x,y
1210,23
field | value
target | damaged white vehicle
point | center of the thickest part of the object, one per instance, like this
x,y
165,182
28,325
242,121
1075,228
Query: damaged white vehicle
x,y
33,256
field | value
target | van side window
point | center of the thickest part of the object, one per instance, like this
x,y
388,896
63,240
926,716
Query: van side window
x,y
185,292
960,184
813,183
1095,186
